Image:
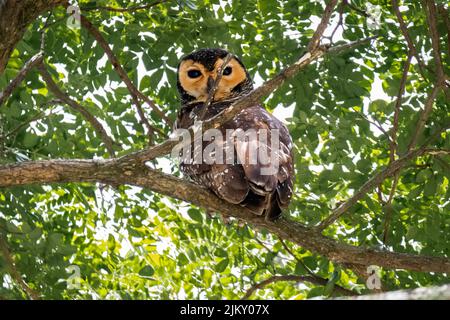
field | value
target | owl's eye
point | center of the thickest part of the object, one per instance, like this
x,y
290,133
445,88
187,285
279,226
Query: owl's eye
x,y
194,73
227,71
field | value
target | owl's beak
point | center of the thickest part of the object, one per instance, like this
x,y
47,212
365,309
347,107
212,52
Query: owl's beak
x,y
209,84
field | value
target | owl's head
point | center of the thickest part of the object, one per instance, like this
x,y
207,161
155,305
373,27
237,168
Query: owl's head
x,y
198,70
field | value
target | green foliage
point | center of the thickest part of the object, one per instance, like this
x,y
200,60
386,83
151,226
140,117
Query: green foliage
x,y
132,244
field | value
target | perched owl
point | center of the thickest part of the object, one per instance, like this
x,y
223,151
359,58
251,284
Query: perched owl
x,y
261,184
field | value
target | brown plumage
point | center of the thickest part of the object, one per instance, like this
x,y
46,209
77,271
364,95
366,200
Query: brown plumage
x,y
240,181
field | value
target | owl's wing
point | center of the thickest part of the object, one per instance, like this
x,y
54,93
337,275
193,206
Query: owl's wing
x,y
267,163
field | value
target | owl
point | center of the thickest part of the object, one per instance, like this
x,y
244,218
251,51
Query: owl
x,y
261,184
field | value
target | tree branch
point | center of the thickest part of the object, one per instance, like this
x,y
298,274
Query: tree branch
x,y
54,88
313,280
212,91
15,17
424,116
404,30
122,10
126,171
445,16
398,104
369,186
15,274
431,12
30,64
393,146
315,39
135,93
246,101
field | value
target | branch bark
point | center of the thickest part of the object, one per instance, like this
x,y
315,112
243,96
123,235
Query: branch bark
x,y
125,171
315,39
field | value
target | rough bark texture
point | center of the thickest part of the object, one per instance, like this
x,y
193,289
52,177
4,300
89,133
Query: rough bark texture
x,y
15,17
127,171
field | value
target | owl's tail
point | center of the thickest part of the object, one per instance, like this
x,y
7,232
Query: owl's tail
x,y
263,205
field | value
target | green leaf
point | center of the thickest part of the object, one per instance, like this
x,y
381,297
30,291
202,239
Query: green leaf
x,y
222,265
147,271
195,215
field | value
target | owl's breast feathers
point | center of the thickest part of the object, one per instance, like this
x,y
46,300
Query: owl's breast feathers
x,y
262,184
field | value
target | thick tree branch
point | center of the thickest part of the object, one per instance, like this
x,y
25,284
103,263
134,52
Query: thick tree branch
x,y
54,88
30,64
135,93
125,171
15,274
310,279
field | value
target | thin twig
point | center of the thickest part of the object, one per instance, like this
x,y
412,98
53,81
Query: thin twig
x,y
370,184
358,10
404,30
54,88
341,19
398,103
394,147
30,64
249,99
431,12
15,274
135,93
437,152
295,278
38,116
350,45
213,89
129,9
337,287
445,16
295,257
424,116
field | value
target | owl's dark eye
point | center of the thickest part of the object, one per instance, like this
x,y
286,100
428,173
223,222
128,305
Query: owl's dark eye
x,y
194,73
227,71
